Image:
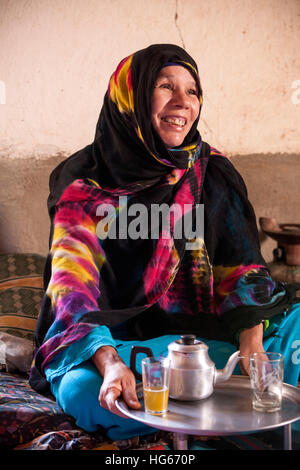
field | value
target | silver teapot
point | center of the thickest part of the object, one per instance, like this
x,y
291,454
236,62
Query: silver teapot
x,y
193,374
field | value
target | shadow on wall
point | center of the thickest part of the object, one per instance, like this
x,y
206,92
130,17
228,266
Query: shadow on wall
x,y
24,189
272,182
273,189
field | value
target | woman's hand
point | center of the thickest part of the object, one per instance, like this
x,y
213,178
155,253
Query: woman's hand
x,y
118,380
251,341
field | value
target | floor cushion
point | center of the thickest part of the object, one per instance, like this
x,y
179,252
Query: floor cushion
x,y
31,421
21,294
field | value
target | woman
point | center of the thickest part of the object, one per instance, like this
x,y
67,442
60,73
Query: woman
x,y
106,292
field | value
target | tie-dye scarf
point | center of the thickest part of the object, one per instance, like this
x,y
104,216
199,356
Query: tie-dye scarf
x,y
155,285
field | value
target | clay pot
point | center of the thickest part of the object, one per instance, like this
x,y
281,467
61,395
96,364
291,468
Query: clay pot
x,y
280,271
287,237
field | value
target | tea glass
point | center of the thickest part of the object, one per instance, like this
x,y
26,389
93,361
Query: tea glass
x,y
266,375
156,381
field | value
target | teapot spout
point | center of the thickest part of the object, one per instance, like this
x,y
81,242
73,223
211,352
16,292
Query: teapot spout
x,y
224,374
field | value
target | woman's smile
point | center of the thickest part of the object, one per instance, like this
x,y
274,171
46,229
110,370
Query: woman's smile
x,y
175,104
174,120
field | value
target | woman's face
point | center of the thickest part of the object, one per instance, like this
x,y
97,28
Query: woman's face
x,y
175,104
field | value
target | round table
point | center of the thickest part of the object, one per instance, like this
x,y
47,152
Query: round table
x,y
227,411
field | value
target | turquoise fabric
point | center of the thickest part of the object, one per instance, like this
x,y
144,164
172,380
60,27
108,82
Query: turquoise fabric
x,y
79,352
77,390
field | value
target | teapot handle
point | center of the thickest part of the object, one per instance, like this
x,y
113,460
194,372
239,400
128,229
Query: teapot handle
x,y
134,351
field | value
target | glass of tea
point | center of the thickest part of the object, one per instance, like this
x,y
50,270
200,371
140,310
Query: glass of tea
x,y
156,380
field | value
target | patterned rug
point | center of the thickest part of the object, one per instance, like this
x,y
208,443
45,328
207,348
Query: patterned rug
x,y
29,421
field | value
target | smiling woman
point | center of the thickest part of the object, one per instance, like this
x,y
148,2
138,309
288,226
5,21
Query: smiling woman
x,y
105,294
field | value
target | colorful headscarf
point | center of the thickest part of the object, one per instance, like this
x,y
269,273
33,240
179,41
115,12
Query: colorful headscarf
x,y
127,153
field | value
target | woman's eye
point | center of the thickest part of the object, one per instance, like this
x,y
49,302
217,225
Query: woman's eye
x,y
169,86
166,86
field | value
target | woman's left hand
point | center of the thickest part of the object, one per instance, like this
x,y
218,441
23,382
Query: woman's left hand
x,y
251,341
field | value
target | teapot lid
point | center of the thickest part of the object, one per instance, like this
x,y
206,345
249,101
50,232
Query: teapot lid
x,y
187,343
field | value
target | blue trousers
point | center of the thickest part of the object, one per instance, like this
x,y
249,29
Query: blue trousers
x,y
77,391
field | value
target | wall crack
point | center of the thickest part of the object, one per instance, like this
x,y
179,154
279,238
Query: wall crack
x,y
177,25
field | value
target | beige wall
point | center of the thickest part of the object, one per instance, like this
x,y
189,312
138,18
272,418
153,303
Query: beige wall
x,y
56,57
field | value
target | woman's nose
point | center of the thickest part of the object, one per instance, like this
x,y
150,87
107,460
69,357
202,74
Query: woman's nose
x,y
180,98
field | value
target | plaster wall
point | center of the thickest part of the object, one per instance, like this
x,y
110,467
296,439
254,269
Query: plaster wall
x,y
56,57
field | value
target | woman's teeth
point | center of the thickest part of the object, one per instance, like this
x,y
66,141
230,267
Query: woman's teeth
x,y
178,121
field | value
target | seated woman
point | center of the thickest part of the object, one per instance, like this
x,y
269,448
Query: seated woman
x,y
107,288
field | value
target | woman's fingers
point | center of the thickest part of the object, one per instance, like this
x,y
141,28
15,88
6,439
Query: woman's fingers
x,y
245,365
108,401
129,391
119,381
130,397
